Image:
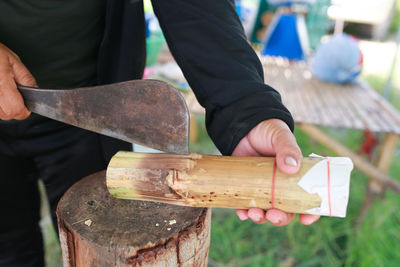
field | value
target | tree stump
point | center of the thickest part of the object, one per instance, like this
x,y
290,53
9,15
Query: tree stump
x,y
99,230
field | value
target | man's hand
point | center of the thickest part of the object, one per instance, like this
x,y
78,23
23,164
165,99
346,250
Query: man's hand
x,y
272,138
13,72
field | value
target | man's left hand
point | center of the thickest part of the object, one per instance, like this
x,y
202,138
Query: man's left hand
x,y
272,138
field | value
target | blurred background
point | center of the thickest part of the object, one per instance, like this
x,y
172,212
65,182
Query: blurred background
x,y
371,239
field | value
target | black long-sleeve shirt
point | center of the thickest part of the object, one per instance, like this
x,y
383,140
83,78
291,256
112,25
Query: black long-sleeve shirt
x,y
207,40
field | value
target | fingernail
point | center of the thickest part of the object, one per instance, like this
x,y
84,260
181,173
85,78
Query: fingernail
x,y
257,218
275,221
291,161
273,218
242,217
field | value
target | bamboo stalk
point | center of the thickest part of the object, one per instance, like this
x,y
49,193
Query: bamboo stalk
x,y
231,182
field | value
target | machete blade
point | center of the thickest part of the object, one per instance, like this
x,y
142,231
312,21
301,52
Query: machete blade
x,y
147,112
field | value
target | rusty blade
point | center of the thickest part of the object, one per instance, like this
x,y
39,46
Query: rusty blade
x,y
147,112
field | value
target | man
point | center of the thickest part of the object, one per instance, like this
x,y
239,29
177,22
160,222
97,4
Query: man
x,y
65,44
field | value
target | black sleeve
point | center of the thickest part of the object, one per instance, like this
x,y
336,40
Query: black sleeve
x,y
208,42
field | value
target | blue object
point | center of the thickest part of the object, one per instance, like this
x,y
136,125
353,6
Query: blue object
x,y
284,39
147,22
238,4
339,60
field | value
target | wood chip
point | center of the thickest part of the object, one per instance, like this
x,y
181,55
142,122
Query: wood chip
x,y
88,222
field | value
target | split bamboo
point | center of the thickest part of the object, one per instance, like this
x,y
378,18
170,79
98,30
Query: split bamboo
x,y
228,182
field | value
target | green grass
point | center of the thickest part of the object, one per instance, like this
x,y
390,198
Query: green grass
x,y
396,18
52,246
329,242
203,144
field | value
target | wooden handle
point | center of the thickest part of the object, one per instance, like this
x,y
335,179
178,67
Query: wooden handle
x,y
228,182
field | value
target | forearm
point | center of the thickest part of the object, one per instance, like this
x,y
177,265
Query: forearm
x,y
208,42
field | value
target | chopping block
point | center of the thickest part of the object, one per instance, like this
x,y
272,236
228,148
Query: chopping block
x,y
99,230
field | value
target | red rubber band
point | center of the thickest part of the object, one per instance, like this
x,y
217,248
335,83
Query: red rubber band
x,y
273,185
329,187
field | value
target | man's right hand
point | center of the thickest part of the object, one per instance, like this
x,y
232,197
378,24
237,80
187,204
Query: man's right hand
x,y
13,72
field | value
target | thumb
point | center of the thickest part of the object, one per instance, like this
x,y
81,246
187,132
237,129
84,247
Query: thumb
x,y
288,153
22,75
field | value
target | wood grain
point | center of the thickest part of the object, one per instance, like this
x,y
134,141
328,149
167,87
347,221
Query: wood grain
x,y
209,181
99,230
